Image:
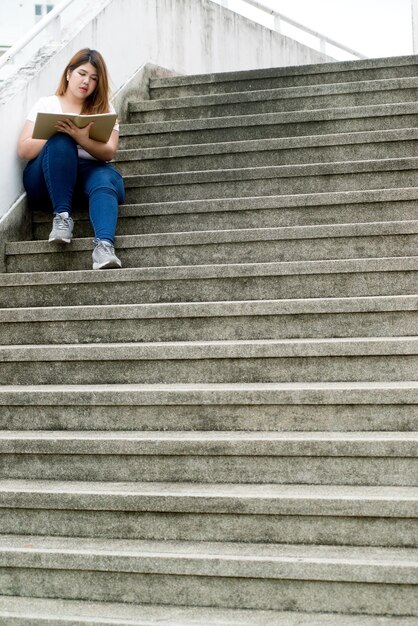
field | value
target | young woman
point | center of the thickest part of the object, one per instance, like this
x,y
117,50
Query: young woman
x,y
70,162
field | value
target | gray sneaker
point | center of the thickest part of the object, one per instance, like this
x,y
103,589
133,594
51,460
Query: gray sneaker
x,y
104,256
62,229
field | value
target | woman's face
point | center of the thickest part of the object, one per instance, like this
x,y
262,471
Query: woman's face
x,y
82,81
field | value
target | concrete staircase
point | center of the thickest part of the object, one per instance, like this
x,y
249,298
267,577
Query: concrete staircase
x,y
225,431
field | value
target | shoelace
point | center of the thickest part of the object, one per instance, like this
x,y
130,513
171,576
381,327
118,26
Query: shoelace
x,y
105,246
63,223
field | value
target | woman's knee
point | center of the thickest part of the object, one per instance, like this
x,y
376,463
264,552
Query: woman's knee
x,y
62,142
106,180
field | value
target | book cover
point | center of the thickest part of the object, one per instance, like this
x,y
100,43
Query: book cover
x,y
100,131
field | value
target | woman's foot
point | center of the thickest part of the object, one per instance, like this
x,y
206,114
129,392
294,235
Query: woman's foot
x,y
62,228
104,256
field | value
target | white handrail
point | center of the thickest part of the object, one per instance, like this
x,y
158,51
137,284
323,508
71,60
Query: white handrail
x,y
55,14
38,28
323,39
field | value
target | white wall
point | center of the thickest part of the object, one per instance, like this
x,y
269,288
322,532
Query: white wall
x,y
414,11
188,36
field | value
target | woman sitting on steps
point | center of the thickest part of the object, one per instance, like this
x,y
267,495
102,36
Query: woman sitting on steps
x,y
71,162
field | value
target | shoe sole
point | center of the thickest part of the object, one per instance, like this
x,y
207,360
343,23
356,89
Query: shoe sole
x,y
59,240
107,265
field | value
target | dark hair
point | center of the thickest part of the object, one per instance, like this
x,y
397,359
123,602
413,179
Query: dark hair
x,y
98,101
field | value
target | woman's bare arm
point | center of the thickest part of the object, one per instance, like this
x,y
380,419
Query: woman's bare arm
x,y
28,148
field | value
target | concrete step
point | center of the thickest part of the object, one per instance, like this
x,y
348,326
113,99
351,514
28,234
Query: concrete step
x,y
256,281
335,95
20,611
273,360
273,180
261,245
213,457
295,493
264,319
269,211
340,407
353,580
265,126
306,514
364,145
227,82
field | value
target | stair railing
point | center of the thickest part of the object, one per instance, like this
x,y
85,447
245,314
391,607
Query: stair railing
x,y
279,18
50,25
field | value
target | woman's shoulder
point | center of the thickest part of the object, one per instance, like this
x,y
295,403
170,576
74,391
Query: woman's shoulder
x,y
46,104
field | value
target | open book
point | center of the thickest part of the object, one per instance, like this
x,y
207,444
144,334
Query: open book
x,y
103,124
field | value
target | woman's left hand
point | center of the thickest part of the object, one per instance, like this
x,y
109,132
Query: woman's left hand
x,y
97,149
80,135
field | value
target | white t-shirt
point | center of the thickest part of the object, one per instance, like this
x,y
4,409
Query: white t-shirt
x,y
52,104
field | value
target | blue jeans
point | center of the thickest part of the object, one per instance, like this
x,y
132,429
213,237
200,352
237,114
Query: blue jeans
x,y
57,177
